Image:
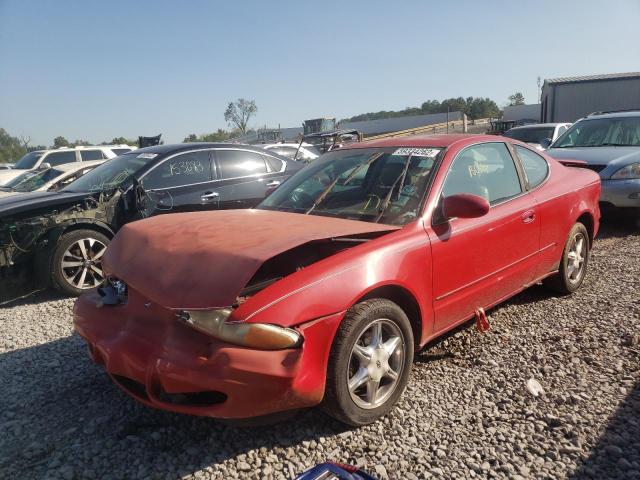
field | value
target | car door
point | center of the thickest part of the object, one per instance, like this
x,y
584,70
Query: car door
x,y
477,262
244,176
183,182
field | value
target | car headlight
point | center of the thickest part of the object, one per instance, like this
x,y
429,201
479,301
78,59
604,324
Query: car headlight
x,y
262,336
629,172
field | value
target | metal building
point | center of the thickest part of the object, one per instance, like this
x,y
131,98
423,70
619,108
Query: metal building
x,y
567,99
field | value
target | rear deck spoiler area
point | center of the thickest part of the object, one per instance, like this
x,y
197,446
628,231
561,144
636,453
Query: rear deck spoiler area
x,y
573,163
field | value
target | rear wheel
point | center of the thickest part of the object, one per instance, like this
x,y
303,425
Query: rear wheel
x,y
370,362
573,265
76,261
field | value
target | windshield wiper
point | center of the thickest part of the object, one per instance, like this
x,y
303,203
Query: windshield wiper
x,y
319,199
387,199
613,144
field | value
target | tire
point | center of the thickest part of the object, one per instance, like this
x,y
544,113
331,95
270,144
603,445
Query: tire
x,y
567,281
355,406
89,260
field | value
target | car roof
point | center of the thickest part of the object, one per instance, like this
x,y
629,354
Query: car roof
x,y
630,113
164,150
71,166
437,140
536,125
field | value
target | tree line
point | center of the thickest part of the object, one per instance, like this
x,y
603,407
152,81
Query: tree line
x,y
477,107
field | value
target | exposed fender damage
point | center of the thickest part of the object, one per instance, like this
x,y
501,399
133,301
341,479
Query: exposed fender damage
x,y
25,230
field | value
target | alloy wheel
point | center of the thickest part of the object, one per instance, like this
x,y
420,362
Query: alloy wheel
x,y
82,263
376,364
576,257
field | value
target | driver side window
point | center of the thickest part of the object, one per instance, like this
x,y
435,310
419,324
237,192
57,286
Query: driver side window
x,y
486,170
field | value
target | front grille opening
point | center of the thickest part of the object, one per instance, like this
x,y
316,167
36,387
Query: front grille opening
x,y
193,399
136,389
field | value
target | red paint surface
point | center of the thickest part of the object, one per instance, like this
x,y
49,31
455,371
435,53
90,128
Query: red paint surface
x,y
450,270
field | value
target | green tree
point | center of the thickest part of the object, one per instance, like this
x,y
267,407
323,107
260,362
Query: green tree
x,y
473,107
60,142
122,141
239,113
11,148
516,99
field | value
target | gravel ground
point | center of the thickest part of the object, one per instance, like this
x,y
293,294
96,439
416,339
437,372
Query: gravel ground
x,y
467,411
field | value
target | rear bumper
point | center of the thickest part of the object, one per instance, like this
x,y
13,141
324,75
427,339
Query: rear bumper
x,y
621,193
165,364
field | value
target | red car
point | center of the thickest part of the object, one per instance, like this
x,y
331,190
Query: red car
x,y
322,294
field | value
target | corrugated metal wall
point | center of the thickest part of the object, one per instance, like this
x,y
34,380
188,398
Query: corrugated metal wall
x,y
567,102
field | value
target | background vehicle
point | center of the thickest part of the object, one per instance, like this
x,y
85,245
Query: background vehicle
x,y
53,158
66,233
534,134
48,179
321,294
609,144
330,140
304,152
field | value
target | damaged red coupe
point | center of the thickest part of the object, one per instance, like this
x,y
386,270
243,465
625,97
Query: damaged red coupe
x,y
322,294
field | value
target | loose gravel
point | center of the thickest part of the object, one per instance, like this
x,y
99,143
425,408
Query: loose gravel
x,y
467,412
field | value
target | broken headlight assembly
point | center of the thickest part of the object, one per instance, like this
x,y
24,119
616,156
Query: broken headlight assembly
x,y
112,292
262,336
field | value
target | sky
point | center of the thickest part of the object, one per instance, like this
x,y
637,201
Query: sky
x,y
94,70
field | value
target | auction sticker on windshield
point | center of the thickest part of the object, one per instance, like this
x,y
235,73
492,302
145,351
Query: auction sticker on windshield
x,y
148,155
423,152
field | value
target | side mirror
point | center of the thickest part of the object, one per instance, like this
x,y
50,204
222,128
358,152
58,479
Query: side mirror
x,y
44,166
464,205
545,143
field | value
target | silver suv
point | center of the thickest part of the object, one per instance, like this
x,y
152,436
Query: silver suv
x,y
41,159
609,143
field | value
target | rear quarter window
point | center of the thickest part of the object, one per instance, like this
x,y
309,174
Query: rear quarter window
x,y
535,167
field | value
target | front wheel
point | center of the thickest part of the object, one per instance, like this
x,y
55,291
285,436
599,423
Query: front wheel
x,y
76,261
369,363
573,265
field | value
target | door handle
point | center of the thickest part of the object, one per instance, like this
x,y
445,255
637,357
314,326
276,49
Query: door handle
x,y
275,183
528,216
209,196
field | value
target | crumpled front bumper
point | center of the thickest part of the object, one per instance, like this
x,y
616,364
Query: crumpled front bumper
x,y
165,364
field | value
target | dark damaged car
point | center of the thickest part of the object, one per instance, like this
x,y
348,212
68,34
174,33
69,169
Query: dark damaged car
x,y
62,236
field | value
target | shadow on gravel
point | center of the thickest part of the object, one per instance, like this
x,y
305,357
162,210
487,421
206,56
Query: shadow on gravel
x,y
619,447
58,411
617,226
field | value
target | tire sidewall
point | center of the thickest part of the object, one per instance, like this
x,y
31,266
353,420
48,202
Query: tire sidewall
x,y
573,286
348,411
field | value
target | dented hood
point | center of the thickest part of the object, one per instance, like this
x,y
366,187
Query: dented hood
x,y
204,259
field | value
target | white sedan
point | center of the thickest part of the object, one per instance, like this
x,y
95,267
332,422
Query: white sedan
x,y
48,179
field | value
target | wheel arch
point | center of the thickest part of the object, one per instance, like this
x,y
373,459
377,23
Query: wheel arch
x,y
54,235
586,218
405,300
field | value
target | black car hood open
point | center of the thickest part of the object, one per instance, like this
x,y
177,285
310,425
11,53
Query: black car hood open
x,y
25,202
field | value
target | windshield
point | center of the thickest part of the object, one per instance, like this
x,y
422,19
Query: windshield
x,y
621,131
530,135
112,174
375,185
28,161
32,180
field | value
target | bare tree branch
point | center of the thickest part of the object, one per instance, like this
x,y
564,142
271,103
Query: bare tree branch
x,y
239,113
